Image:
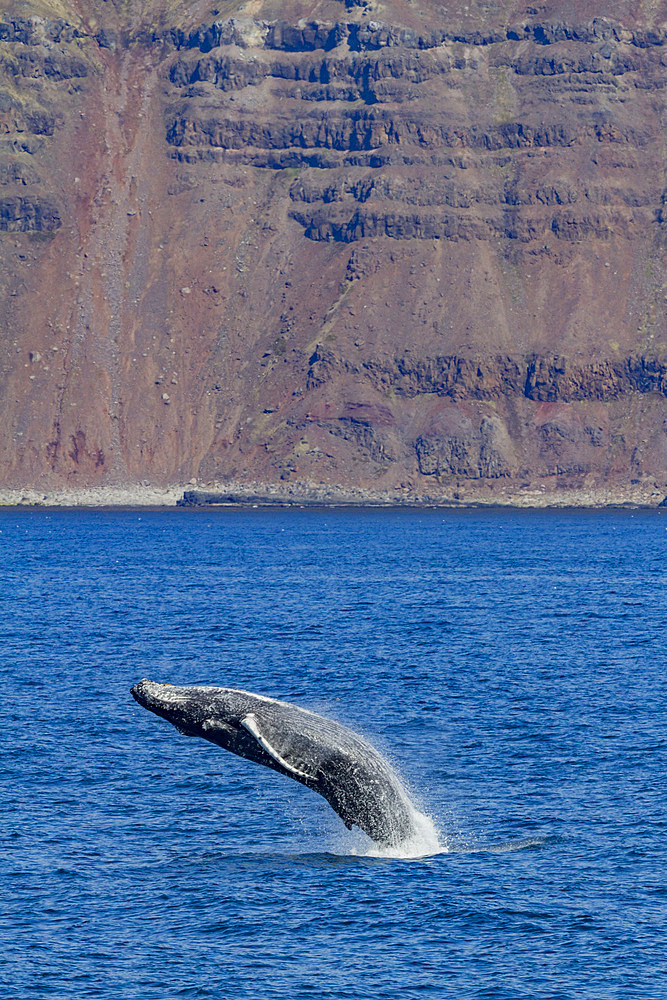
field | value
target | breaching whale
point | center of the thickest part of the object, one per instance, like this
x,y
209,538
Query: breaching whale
x,y
356,780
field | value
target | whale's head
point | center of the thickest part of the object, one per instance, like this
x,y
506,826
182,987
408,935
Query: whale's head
x,y
173,703
192,710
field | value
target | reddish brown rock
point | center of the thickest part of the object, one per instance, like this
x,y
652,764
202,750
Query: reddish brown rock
x,y
354,245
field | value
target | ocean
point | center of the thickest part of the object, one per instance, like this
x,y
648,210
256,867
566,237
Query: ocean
x,y
510,664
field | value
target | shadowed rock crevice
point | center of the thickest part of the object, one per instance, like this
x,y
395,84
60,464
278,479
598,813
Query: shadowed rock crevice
x,y
467,451
29,214
536,378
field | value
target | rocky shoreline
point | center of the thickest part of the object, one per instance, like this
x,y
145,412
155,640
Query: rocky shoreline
x,y
94,496
302,494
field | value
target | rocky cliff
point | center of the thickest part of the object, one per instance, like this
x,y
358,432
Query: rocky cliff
x,y
394,246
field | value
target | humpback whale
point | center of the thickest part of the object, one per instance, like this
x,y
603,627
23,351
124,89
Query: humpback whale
x,y
325,756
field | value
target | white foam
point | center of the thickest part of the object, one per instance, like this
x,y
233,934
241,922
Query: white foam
x,y
424,843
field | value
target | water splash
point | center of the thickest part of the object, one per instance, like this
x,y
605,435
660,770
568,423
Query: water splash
x,y
424,842
428,841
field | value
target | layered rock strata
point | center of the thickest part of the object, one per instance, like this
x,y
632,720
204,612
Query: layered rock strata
x,y
367,246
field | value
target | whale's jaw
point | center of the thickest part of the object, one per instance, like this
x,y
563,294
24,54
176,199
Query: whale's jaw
x,y
140,691
149,694
166,700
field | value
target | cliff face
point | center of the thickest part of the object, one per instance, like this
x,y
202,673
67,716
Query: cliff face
x,y
358,243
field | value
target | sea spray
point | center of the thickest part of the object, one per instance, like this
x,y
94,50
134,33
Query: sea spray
x,y
424,842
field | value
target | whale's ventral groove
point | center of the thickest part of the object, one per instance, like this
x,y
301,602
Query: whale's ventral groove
x,y
325,756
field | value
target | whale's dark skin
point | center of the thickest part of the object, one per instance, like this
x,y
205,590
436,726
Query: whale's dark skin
x,y
319,753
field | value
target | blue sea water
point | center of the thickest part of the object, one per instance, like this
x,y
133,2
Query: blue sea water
x,y
510,663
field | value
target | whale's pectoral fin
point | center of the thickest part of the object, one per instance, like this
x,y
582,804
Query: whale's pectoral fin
x,y
251,724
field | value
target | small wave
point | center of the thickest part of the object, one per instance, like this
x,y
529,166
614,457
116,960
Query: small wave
x,y
504,847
